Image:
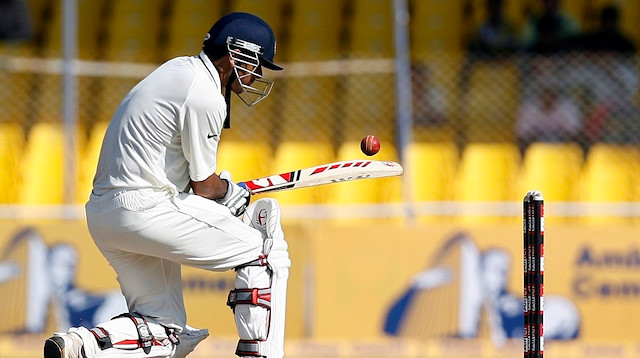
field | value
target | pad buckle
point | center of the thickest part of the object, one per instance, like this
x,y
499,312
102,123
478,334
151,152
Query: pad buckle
x,y
173,338
250,296
102,337
144,332
146,338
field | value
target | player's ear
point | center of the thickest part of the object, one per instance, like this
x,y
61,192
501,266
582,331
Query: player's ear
x,y
224,64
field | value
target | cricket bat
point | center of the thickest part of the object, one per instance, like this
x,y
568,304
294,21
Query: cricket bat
x,y
335,172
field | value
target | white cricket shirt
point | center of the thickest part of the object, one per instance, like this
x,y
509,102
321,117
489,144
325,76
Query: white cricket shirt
x,y
166,130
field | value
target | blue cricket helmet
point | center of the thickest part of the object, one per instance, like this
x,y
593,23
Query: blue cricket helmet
x,y
245,27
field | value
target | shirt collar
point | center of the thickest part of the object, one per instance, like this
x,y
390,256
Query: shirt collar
x,y
210,68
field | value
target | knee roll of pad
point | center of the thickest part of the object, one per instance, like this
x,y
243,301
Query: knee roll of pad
x,y
259,298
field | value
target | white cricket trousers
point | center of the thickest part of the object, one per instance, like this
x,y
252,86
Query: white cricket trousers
x,y
146,234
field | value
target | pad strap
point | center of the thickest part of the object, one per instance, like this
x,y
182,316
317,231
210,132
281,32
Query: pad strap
x,y
145,338
248,348
250,296
260,261
173,337
102,337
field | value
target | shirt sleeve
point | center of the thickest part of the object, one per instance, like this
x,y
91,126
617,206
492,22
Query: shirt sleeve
x,y
203,116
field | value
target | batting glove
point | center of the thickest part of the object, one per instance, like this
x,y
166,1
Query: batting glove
x,y
237,198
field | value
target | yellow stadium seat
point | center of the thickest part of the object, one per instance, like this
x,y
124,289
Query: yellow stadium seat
x,y
90,14
47,92
90,25
367,191
291,156
255,123
308,106
307,112
491,102
11,146
245,160
367,106
90,17
16,104
435,26
628,17
611,172
611,175
552,168
268,10
189,21
133,31
132,35
371,29
89,161
487,173
436,80
51,27
312,38
43,171
89,99
433,168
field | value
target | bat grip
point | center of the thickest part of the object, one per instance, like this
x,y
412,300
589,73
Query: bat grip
x,y
243,185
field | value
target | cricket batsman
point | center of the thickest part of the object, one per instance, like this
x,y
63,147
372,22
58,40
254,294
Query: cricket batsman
x,y
157,204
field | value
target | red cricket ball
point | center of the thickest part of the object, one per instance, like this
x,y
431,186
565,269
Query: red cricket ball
x,y
370,145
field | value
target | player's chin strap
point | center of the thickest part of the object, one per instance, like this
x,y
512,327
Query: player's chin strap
x,y
227,99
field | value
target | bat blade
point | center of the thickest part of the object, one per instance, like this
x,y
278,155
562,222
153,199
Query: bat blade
x,y
335,172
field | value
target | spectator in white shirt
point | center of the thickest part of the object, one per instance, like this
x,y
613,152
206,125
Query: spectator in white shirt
x,y
550,116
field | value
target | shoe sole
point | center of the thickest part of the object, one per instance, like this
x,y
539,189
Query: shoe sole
x,y
54,348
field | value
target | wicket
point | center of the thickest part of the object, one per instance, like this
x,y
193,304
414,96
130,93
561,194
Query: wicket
x,y
533,246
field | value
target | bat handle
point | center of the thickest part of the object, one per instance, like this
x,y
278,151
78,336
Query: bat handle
x,y
243,185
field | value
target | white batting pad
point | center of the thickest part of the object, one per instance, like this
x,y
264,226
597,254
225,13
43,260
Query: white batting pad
x,y
261,324
120,330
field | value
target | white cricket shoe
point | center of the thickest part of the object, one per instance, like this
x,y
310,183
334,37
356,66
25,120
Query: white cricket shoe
x,y
64,345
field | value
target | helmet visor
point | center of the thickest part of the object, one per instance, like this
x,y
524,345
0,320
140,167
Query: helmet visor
x,y
248,71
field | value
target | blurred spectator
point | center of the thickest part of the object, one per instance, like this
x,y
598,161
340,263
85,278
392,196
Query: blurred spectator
x,y
608,76
612,116
15,23
613,121
497,35
549,116
549,31
608,38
